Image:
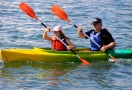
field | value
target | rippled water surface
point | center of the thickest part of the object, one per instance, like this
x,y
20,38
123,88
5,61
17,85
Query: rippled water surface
x,y
17,30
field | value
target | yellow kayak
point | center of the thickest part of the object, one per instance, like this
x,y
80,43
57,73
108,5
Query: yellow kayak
x,y
47,55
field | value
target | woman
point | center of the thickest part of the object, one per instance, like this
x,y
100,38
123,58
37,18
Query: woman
x,y
57,44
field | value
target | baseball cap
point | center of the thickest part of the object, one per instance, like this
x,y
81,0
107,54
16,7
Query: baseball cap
x,y
57,28
96,21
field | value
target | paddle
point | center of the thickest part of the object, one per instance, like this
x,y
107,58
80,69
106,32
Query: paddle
x,y
62,15
29,11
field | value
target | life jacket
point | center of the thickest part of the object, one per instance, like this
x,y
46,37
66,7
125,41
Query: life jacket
x,y
58,45
95,38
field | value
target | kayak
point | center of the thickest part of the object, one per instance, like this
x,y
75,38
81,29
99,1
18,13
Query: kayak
x,y
47,55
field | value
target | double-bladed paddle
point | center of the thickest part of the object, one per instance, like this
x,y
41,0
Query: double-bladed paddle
x,y
62,15
29,11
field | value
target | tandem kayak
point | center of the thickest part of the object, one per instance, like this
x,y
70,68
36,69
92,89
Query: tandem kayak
x,y
47,55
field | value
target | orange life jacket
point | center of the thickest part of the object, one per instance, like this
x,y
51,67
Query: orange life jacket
x,y
58,45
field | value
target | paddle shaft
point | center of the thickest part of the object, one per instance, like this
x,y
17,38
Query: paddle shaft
x,y
42,24
59,39
62,41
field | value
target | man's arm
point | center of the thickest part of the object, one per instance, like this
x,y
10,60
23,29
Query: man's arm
x,y
80,34
108,40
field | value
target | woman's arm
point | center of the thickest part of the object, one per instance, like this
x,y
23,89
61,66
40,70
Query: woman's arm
x,y
45,36
70,44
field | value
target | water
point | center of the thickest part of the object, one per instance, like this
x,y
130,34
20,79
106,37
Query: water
x,y
20,31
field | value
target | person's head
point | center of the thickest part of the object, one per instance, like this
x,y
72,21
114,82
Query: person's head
x,y
97,24
58,31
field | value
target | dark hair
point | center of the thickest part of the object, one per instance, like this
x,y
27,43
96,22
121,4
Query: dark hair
x,y
62,34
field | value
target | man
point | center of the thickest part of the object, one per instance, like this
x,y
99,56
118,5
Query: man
x,y
98,35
